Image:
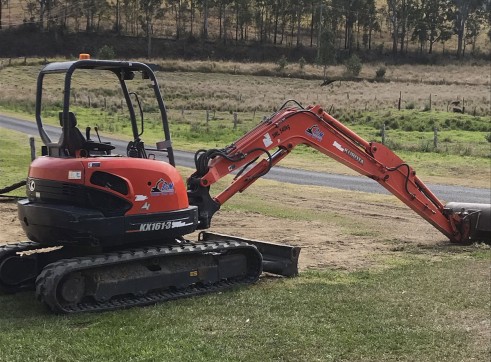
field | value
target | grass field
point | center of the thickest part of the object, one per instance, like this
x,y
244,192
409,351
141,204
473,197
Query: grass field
x,y
194,89
415,309
377,283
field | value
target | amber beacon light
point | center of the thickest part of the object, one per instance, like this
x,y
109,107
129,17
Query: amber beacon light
x,y
84,56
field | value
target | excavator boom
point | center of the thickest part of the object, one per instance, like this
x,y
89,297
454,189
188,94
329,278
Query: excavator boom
x,y
278,135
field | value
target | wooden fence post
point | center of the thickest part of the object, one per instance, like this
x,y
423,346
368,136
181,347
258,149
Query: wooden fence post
x,y
235,120
33,148
207,116
435,137
382,132
400,99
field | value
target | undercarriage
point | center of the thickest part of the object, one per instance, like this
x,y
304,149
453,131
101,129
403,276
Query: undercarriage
x,y
69,283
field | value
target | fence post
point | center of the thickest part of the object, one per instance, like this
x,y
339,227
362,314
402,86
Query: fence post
x,y
33,148
430,102
207,116
88,97
382,131
400,99
235,120
435,137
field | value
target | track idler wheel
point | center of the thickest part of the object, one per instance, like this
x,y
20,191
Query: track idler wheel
x,y
72,289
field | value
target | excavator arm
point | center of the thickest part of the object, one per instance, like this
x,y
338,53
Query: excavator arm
x,y
275,137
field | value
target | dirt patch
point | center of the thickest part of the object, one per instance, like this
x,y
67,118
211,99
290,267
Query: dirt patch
x,y
326,244
356,236
10,229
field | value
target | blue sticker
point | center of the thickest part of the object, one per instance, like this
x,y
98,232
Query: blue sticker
x,y
162,188
315,132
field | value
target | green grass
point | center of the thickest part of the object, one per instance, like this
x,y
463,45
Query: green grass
x,y
424,304
416,310
14,159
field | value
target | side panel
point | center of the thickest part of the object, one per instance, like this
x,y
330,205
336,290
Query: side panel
x,y
150,186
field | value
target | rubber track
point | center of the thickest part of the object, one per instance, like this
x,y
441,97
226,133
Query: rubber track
x,y
48,279
11,249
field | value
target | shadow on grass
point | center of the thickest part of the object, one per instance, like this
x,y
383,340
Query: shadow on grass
x,y
476,249
21,306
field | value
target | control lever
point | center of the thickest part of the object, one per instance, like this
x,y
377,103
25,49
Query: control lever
x,y
87,134
96,129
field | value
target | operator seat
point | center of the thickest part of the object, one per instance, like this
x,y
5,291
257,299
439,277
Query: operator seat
x,y
76,140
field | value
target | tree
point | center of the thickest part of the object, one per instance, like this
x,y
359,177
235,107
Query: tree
x,y
431,23
204,32
1,6
178,8
37,7
473,29
463,9
243,18
93,9
327,50
394,21
150,9
369,22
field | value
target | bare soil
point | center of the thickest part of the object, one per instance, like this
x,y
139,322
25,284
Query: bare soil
x,y
383,231
10,229
360,234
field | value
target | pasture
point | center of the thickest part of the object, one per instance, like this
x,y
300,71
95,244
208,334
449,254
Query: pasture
x,y
377,282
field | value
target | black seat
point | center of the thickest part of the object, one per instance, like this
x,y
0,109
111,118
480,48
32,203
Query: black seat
x,y
76,140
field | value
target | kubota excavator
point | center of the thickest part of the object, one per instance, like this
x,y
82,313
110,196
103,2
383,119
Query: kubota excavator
x,y
107,230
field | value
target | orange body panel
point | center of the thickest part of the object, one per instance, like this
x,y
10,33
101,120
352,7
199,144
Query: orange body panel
x,y
153,186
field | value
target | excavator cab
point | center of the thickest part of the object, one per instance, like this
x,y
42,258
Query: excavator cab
x,y
75,141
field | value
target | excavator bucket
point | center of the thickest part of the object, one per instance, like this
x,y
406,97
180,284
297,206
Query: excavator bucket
x,y
479,216
277,258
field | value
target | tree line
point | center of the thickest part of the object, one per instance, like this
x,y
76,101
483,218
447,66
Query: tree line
x,y
348,25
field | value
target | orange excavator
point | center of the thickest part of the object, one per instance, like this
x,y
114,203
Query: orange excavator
x,y
107,230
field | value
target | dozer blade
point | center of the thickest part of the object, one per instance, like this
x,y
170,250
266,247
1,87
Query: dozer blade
x,y
479,216
277,258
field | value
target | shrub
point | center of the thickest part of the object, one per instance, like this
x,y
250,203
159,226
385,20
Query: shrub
x,y
410,105
282,63
380,72
301,63
488,136
353,65
106,52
